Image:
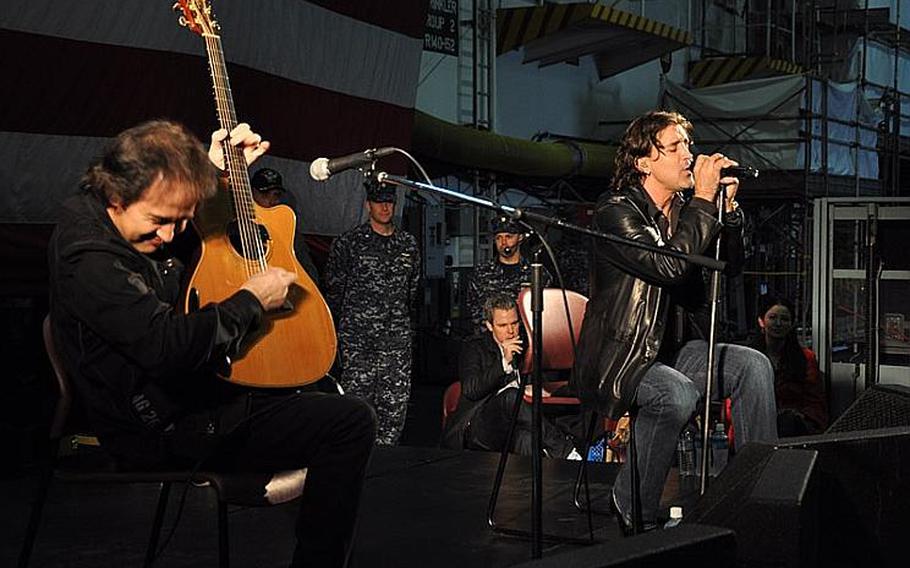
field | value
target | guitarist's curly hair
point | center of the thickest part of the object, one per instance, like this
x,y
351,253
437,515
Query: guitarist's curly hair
x,y
143,154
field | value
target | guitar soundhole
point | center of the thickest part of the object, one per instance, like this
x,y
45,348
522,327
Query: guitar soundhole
x,y
233,231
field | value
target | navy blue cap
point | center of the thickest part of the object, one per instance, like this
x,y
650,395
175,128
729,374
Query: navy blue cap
x,y
504,224
266,178
379,192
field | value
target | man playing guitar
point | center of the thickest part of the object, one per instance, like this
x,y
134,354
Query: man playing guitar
x,y
148,373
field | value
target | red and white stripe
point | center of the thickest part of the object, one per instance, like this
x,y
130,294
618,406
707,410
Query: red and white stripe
x,y
317,78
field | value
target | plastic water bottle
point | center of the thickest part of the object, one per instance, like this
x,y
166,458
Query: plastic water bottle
x,y
676,515
685,452
720,449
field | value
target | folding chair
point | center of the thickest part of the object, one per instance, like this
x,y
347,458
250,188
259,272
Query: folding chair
x,y
89,464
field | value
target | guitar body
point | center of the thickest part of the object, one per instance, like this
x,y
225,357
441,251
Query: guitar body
x,y
294,346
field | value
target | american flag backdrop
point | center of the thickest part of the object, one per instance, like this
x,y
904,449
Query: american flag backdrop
x,y
316,78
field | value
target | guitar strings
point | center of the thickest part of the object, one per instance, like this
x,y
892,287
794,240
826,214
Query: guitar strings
x,y
251,244
248,228
216,61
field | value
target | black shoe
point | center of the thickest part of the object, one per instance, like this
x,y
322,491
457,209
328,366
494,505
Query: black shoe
x,y
625,523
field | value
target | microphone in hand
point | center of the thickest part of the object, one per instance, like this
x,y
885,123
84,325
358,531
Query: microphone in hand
x,y
740,172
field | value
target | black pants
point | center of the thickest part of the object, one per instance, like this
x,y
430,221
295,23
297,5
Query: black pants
x,y
490,428
330,435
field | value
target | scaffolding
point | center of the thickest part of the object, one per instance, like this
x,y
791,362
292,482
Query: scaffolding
x,y
823,43
830,42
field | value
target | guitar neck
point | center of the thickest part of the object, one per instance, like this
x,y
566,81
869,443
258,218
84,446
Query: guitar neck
x,y
234,160
227,116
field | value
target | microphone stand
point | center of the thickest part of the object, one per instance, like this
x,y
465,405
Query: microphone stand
x,y
537,315
536,403
521,214
712,344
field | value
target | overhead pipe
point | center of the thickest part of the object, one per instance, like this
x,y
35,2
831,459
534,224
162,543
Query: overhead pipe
x,y
479,149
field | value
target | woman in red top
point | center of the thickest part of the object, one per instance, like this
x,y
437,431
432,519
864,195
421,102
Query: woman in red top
x,y
802,407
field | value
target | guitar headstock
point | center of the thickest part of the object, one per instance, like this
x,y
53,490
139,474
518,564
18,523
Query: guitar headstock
x,y
196,15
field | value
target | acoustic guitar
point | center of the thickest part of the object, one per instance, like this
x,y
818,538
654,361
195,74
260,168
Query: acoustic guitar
x,y
295,345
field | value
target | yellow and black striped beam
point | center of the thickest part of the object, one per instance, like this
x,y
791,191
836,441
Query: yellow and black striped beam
x,y
720,70
518,26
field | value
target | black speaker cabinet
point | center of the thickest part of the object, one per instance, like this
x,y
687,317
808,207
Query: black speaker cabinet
x,y
839,499
879,406
685,545
768,497
864,495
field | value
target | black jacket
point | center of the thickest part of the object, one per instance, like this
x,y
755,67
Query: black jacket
x,y
138,363
481,375
627,315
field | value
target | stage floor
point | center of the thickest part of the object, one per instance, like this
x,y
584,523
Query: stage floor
x,y
421,507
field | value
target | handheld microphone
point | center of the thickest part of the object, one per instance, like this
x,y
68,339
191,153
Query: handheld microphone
x,y
323,168
507,251
741,172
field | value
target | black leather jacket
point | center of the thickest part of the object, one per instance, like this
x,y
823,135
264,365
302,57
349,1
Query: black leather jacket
x,y
628,312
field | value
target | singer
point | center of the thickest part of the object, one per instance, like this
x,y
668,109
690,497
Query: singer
x,y
627,357
488,367
506,273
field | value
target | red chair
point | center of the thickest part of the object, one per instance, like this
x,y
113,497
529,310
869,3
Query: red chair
x,y
557,355
450,401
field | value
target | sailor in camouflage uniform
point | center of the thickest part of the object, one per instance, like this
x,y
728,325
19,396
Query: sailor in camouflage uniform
x,y
507,273
371,281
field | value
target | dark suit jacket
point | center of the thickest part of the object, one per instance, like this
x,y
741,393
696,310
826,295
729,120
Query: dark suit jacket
x,y
480,372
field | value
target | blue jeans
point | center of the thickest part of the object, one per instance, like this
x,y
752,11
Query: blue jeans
x,y
668,396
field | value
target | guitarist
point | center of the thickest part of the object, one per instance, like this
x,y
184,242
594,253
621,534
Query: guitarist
x,y
146,372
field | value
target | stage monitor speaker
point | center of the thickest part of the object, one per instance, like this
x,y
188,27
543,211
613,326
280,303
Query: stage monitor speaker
x,y
684,545
880,406
848,506
769,499
864,513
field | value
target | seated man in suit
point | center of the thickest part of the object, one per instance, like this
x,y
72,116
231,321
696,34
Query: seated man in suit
x,y
488,366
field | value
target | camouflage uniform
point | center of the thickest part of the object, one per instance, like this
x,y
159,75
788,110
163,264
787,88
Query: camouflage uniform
x,y
492,277
370,285
574,258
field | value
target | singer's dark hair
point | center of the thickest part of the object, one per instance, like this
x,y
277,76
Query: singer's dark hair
x,y
498,301
640,136
144,154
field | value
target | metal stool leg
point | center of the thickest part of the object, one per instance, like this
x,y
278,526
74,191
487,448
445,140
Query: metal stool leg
x,y
634,477
152,549
503,460
497,485
582,477
34,518
224,558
